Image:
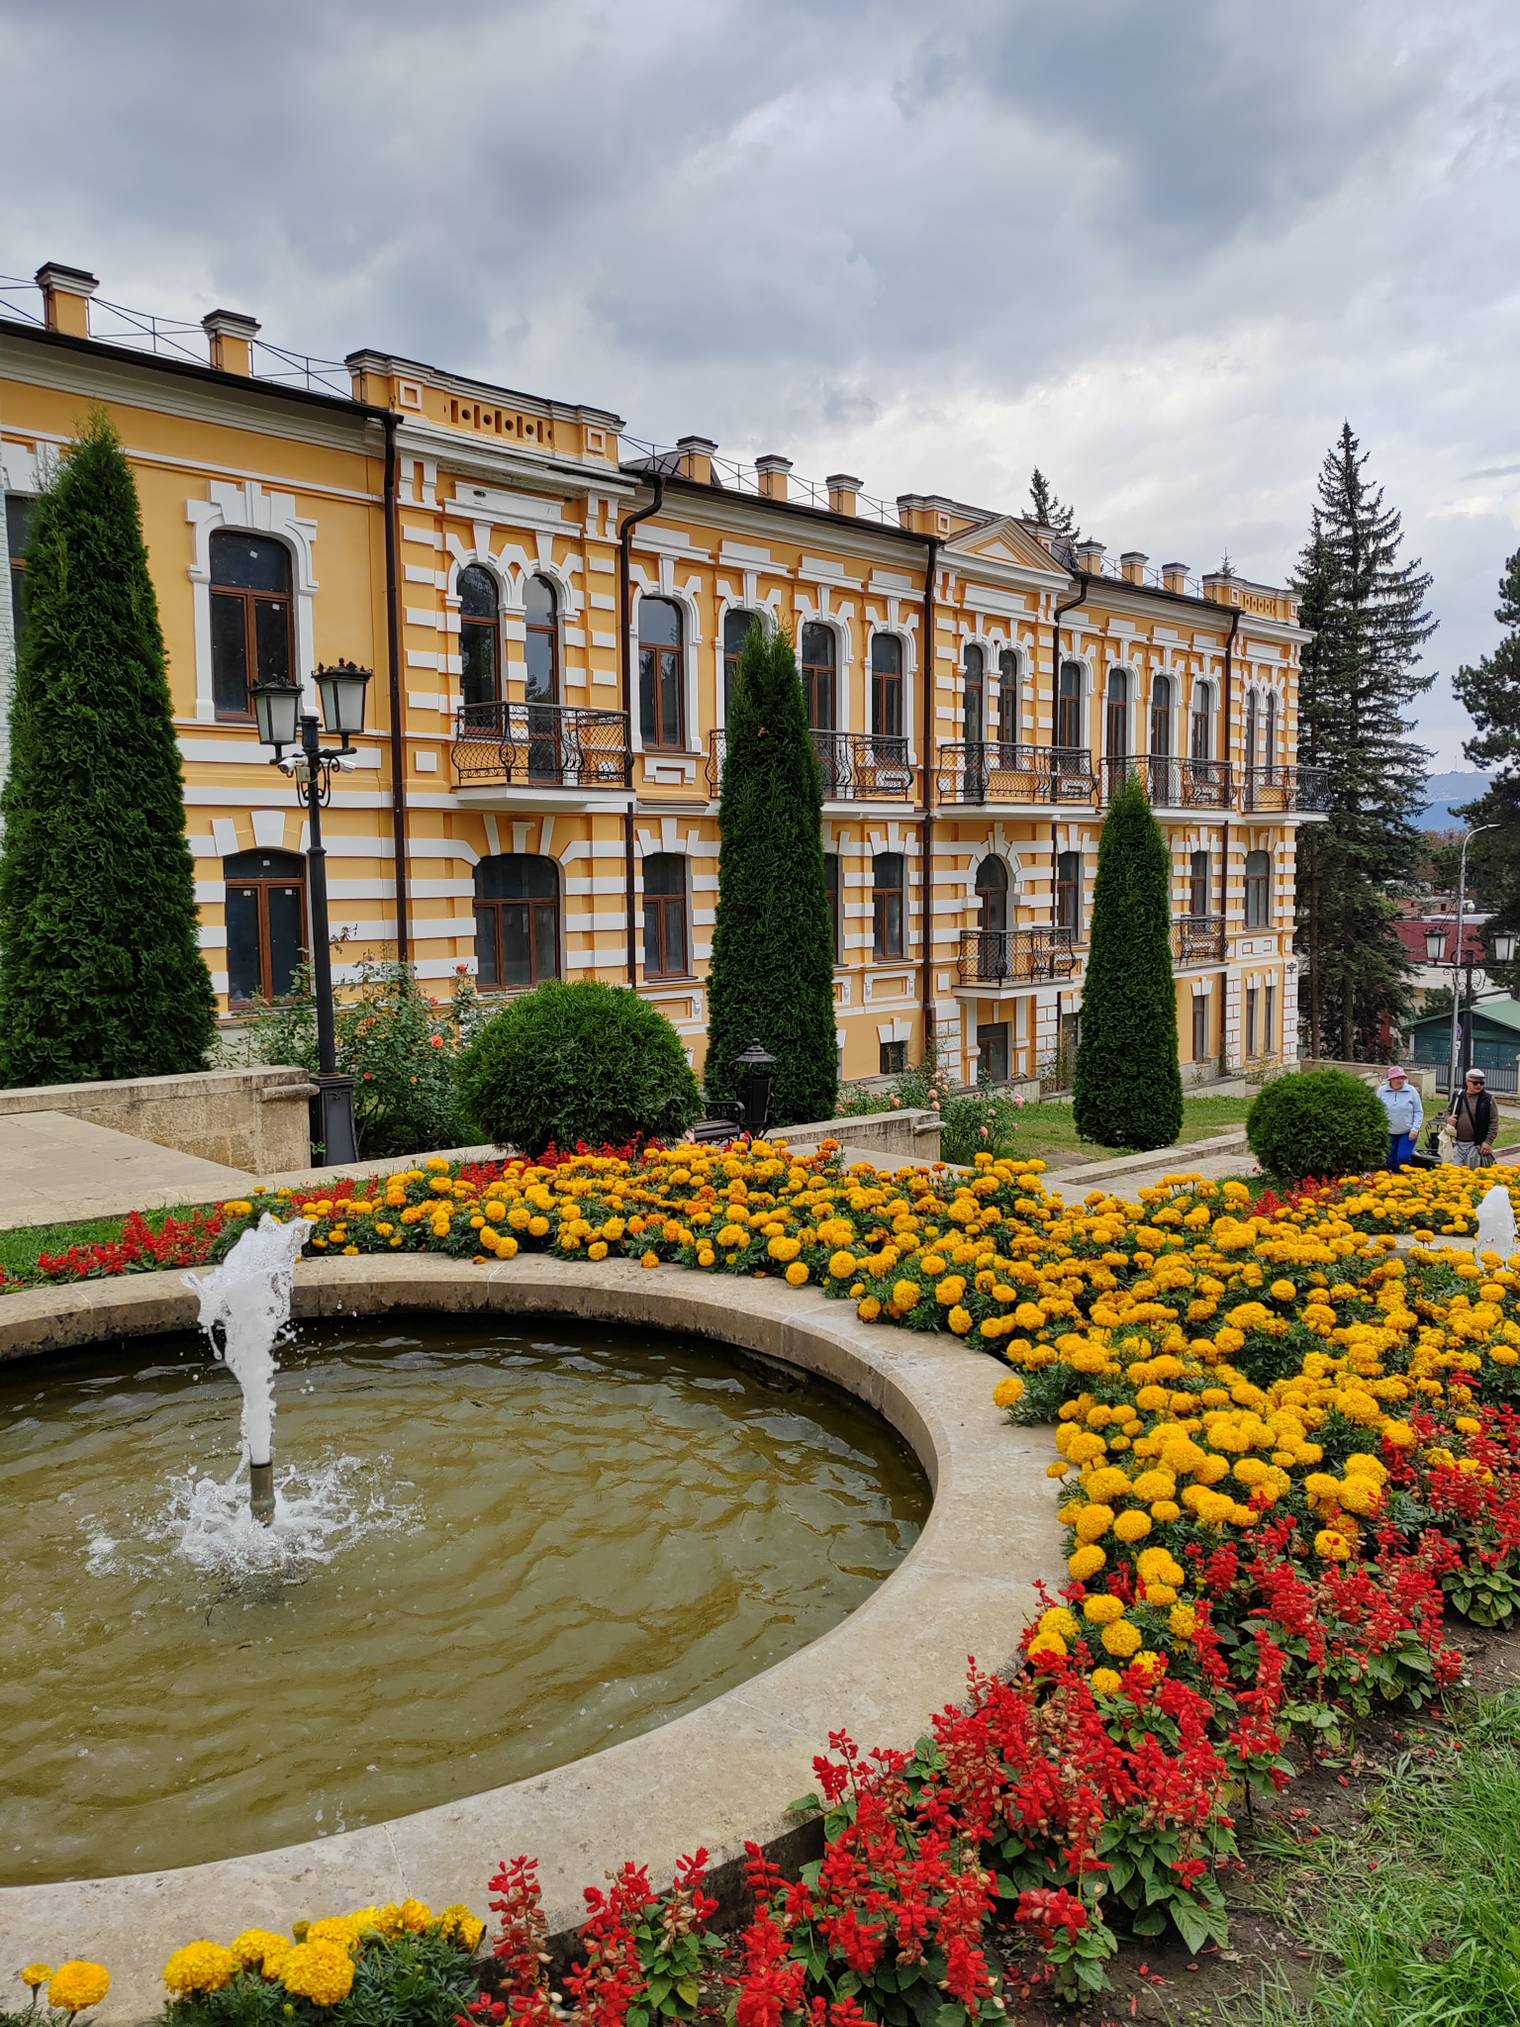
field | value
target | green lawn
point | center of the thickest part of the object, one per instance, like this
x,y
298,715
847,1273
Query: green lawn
x,y
1047,1132
1412,1917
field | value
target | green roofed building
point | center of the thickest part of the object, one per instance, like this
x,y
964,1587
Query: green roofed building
x,y
1495,1042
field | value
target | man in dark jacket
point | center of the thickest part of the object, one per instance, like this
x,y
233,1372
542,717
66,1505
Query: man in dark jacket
x,y
1474,1120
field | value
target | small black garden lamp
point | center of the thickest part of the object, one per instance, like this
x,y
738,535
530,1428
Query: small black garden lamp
x,y
757,1080
342,687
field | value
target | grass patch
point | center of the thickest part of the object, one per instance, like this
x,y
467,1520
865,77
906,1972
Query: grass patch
x,y
1413,1918
1049,1129
21,1248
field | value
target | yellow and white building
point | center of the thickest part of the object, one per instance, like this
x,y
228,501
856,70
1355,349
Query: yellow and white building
x,y
552,612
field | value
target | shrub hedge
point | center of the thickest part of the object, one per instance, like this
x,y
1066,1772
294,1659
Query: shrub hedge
x,y
1317,1123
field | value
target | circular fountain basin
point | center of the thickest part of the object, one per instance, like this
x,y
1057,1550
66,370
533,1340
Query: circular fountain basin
x,y
501,1545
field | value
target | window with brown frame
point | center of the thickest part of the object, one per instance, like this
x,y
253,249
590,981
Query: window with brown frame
x,y
516,920
1198,884
1251,729
19,512
992,1055
1258,890
833,884
893,1058
1069,892
1269,1043
974,695
1253,1000
886,686
1161,715
1008,698
253,637
1200,1027
266,924
992,895
479,639
736,626
888,904
662,675
1201,742
541,611
1069,706
820,675
666,945
1116,716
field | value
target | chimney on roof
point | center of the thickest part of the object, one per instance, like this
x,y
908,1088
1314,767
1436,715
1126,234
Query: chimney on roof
x,y
695,458
1174,576
773,470
1133,563
230,337
1090,558
844,493
66,293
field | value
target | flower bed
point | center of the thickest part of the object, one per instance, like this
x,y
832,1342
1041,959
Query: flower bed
x,y
1285,1453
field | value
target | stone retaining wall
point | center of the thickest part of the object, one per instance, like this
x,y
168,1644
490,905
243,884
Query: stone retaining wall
x,y
911,1132
253,1119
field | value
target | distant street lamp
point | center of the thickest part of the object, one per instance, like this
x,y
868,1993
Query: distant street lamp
x,y
342,688
1457,1046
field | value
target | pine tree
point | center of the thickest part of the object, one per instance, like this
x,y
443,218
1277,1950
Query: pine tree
x,y
101,975
1368,615
1128,1090
1491,693
1048,511
772,974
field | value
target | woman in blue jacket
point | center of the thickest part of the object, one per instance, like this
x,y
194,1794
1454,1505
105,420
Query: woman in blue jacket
x,y
1406,1115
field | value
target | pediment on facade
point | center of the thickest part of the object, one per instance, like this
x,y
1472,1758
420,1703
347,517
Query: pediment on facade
x,y
1005,542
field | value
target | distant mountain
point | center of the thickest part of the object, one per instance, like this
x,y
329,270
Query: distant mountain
x,y
1448,792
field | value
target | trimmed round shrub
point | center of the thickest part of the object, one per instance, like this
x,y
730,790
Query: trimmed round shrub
x,y
1317,1123
577,1062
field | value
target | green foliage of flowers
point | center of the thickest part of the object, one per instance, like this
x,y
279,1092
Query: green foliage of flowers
x,y
568,1063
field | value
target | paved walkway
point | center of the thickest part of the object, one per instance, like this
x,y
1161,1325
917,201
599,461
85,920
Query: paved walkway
x,y
55,1169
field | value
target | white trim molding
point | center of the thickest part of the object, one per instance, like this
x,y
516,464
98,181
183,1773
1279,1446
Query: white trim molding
x,y
247,506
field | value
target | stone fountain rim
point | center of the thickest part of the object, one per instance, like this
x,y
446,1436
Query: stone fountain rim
x,y
718,1776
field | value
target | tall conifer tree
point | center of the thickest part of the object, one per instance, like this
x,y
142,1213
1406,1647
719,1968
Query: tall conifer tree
x,y
1490,690
1128,1089
101,974
1045,508
772,974
1369,617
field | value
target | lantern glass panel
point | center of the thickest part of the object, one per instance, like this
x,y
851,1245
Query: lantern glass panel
x,y
342,691
276,707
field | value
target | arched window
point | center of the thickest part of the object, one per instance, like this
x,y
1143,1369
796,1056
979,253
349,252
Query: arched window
x,y
266,924
820,674
253,635
736,626
1116,716
974,707
1069,707
887,686
541,609
1198,884
1201,731
888,904
1069,892
662,674
1008,698
1251,729
516,919
1161,715
666,946
1258,890
992,895
479,640
832,883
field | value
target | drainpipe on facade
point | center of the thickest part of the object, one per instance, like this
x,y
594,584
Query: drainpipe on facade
x,y
1227,741
7,647
625,664
397,699
926,875
1066,605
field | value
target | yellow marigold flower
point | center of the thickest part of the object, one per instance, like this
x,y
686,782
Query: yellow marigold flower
x,y
597,1250
783,1249
1085,1562
1132,1525
1059,1620
797,1273
77,1985
1047,1647
1149,1660
950,1290
322,1972
841,1264
415,1916
906,1294
260,1949
1008,1392
33,1975
1102,1608
333,1928
1121,1639
1183,1620
1331,1545
460,1926
1106,1681
868,1309
198,1967
959,1320
706,1257
650,1259
1093,1522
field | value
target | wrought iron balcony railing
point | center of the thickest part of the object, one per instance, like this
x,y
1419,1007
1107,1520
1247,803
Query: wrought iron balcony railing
x,y
1286,788
856,766
1016,956
540,745
996,770
1172,781
1198,939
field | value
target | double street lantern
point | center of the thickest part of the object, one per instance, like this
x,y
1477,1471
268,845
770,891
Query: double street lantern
x,y
282,724
1502,945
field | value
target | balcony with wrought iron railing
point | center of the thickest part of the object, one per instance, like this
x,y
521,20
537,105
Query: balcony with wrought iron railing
x,y
994,770
856,766
1173,781
1302,791
539,746
1000,957
1198,939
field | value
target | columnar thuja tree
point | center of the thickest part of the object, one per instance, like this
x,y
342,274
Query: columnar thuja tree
x,y
772,974
100,970
1128,1086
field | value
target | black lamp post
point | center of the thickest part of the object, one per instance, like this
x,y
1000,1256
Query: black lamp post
x,y
282,723
1504,942
757,1078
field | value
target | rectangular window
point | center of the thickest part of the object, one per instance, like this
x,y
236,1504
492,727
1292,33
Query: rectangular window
x,y
992,1053
1198,884
19,510
666,952
887,905
894,1058
836,903
1069,892
660,703
1200,1027
1252,1004
266,937
1269,1039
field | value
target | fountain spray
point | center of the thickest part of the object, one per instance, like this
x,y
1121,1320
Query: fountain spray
x,y
244,1305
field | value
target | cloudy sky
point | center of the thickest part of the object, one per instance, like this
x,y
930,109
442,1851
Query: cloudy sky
x,y
1159,249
